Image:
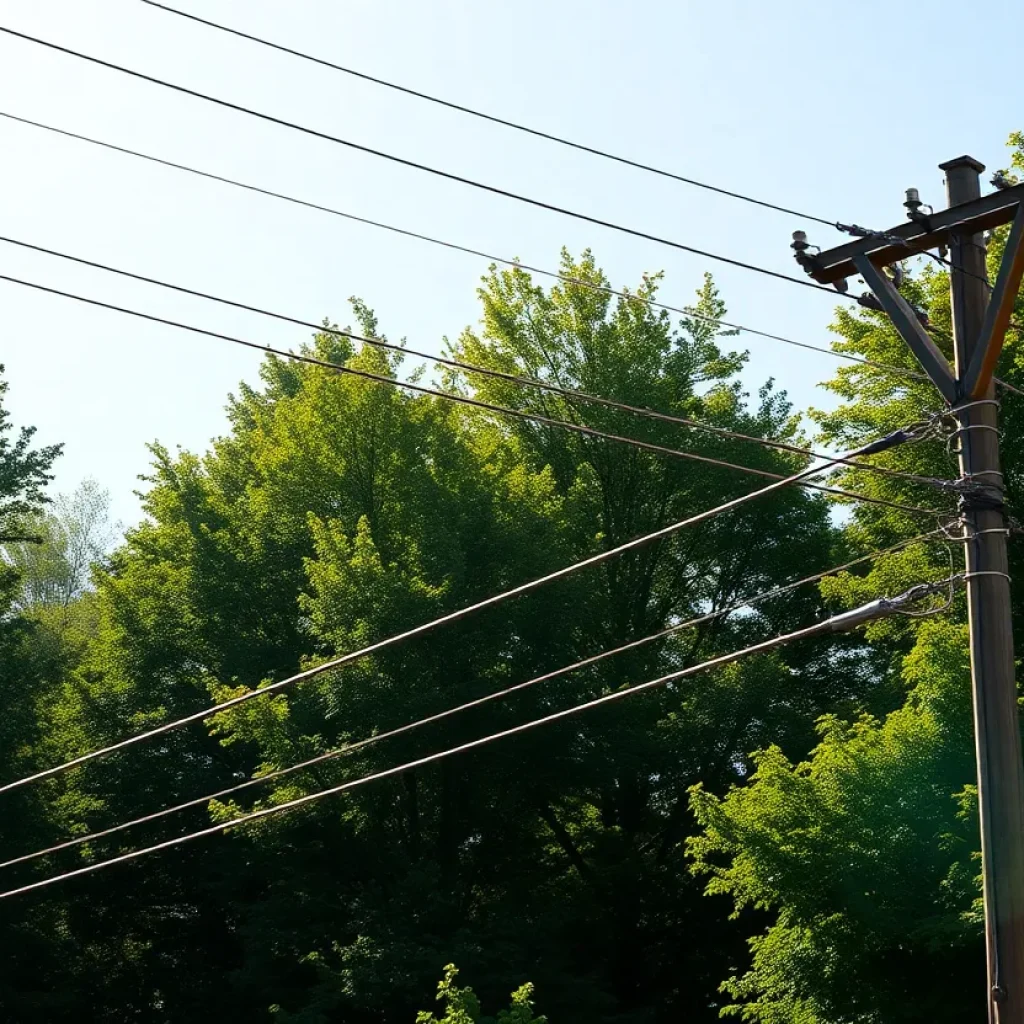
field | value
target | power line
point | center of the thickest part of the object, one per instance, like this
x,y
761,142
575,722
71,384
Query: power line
x,y
415,165
476,403
455,247
951,266
579,146
538,133
352,748
490,188
1012,388
948,264
841,623
881,444
523,381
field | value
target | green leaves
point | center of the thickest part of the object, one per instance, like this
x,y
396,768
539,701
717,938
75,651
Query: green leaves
x,y
859,849
463,1007
337,511
24,473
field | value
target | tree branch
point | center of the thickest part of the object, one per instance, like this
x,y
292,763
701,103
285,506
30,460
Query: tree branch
x,y
561,834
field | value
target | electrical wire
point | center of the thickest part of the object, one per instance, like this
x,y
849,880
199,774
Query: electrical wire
x,y
1012,388
352,748
950,265
900,371
525,128
888,368
841,623
476,403
538,133
415,165
890,440
518,379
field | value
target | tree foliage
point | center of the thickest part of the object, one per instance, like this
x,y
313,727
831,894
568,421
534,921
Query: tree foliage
x,y
461,1006
822,794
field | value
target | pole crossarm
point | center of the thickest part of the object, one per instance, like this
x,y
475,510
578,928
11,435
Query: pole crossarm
x,y
917,236
928,354
961,223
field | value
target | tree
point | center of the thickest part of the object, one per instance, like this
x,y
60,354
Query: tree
x,y
30,940
54,568
867,853
367,512
337,511
24,473
462,1006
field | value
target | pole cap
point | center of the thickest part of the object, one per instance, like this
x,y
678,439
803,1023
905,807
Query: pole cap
x,y
962,161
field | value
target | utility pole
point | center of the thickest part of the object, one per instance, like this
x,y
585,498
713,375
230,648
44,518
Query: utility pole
x,y
979,326
996,725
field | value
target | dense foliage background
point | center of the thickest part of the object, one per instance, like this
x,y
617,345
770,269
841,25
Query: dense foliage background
x,y
791,838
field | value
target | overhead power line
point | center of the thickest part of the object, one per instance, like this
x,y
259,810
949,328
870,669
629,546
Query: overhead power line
x,y
881,444
352,748
899,371
462,109
842,623
884,367
518,379
416,165
501,410
951,267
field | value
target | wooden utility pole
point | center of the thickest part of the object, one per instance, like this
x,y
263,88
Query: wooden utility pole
x,y
979,326
996,724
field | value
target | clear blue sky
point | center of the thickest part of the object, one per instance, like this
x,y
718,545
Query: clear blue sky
x,y
828,108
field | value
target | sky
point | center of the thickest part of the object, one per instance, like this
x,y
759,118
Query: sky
x,y
824,108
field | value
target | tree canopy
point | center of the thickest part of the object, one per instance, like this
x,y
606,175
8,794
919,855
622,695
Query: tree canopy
x,y
791,838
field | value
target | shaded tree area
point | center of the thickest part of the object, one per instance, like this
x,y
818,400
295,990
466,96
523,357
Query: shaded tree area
x,y
821,794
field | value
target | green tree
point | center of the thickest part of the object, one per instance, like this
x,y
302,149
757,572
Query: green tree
x,y
31,943
867,852
557,851
462,1006
337,511
24,474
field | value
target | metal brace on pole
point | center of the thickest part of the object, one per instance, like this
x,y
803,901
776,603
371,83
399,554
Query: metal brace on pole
x,y
932,361
1000,309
